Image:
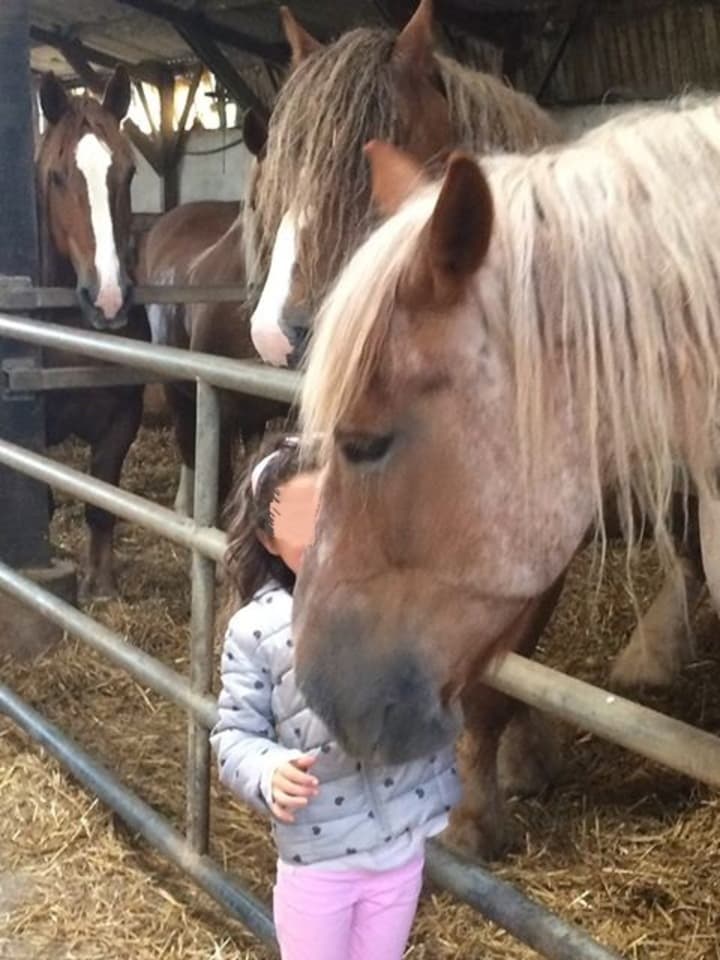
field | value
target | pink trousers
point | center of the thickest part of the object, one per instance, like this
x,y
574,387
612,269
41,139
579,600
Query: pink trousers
x,y
345,914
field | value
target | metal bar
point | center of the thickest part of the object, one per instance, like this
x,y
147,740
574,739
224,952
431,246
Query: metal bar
x,y
499,901
202,620
244,376
528,921
140,665
662,739
49,298
129,506
141,817
37,379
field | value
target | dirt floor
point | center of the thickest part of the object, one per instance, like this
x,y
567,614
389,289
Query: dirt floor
x,y
627,850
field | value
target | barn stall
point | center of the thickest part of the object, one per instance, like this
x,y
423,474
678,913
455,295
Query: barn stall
x,y
620,847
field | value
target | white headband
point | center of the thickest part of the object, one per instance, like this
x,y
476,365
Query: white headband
x,y
260,468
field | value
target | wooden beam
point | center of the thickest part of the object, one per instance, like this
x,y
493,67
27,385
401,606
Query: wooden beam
x,y
146,106
75,56
171,186
198,23
182,131
138,71
216,61
579,15
145,145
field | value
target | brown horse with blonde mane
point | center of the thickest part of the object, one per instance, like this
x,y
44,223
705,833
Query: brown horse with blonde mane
x,y
84,168
516,341
314,207
203,244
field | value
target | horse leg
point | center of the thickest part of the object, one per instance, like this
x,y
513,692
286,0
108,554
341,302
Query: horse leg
x,y
182,406
709,516
107,455
661,642
477,825
529,754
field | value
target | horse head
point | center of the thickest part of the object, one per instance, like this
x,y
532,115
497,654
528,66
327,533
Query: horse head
x,y
318,128
432,542
85,167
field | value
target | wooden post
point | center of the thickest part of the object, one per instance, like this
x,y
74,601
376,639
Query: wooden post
x,y
171,185
23,504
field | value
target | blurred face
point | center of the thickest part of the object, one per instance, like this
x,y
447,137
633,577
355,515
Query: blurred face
x,y
293,515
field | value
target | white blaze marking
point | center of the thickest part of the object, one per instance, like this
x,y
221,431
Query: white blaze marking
x,y
93,159
267,337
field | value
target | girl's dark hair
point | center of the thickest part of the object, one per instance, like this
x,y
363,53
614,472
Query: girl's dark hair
x,y
248,565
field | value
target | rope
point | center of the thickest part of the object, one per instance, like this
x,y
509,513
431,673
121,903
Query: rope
x,y
222,149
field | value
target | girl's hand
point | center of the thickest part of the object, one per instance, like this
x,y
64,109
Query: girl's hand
x,y
292,786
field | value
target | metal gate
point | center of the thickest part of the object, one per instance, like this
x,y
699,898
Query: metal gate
x,y
647,732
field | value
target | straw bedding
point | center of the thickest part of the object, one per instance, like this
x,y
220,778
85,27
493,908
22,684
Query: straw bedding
x,y
628,850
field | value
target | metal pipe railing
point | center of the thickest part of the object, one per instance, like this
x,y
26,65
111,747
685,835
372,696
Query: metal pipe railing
x,y
651,734
202,619
141,817
243,376
645,731
528,921
129,506
140,665
503,904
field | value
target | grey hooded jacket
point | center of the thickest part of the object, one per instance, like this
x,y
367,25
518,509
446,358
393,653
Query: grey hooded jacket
x,y
264,721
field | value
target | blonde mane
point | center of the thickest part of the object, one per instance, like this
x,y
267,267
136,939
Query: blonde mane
x,y
340,98
607,263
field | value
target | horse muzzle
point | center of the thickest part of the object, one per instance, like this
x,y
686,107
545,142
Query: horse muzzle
x,y
386,710
103,309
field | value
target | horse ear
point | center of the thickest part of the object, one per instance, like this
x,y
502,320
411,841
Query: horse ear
x,y
395,174
53,98
255,132
414,46
461,224
302,44
117,93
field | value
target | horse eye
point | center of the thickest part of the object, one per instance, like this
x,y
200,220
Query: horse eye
x,y
57,179
364,449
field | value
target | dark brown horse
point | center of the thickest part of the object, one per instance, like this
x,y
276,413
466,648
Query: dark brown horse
x,y
203,244
84,170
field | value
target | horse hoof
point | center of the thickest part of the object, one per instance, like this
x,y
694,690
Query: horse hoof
x,y
468,836
94,588
634,668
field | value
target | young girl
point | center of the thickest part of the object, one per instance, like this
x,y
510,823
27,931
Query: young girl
x,y
350,835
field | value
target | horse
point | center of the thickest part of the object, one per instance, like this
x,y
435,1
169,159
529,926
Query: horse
x,y
202,244
369,84
84,168
313,196
512,343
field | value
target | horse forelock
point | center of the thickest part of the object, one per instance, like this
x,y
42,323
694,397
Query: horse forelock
x,y
603,270
343,96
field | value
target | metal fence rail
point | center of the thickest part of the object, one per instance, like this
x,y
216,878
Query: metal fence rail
x,y
645,731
